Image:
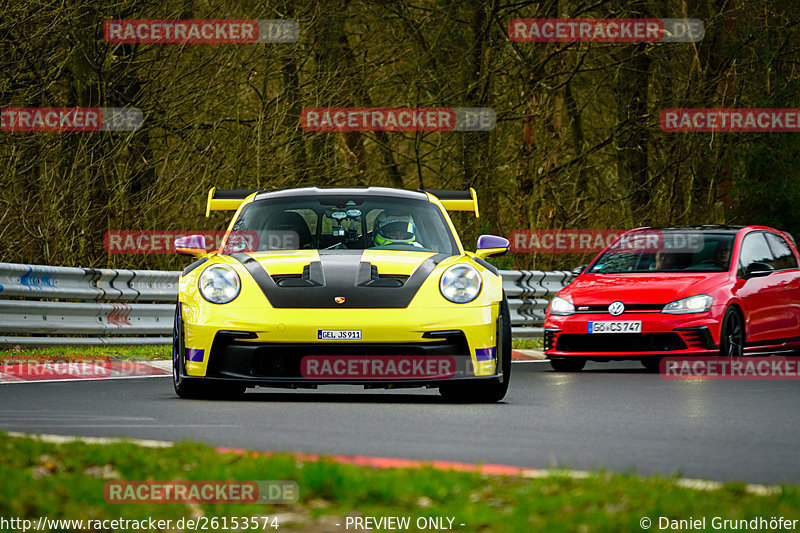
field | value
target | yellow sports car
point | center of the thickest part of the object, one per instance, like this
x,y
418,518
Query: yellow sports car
x,y
363,286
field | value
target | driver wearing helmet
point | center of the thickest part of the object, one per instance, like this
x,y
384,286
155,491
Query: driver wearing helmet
x,y
395,229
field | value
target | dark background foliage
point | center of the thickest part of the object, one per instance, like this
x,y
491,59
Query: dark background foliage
x,y
577,144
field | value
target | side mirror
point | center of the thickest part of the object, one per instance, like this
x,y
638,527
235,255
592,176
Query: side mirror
x,y
191,245
491,245
757,270
578,270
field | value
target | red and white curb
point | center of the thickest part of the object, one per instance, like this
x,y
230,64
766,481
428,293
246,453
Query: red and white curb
x,y
82,370
527,356
393,462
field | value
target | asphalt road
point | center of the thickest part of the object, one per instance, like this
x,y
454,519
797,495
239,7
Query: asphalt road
x,y
608,416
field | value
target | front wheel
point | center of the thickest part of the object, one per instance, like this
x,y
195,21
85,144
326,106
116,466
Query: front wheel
x,y
492,391
184,388
731,339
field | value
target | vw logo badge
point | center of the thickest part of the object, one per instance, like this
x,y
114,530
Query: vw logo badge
x,y
616,308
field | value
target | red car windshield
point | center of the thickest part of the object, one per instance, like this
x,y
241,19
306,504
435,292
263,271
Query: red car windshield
x,y
666,251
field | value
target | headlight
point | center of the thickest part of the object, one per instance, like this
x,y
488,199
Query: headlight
x,y
460,284
560,306
219,284
693,304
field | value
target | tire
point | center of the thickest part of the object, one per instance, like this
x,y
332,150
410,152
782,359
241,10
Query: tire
x,y
184,387
652,364
490,391
194,388
731,338
567,365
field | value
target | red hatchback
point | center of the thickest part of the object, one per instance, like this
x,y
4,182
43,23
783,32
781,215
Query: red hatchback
x,y
704,290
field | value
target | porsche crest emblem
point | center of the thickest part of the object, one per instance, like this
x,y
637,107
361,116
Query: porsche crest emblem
x,y
339,299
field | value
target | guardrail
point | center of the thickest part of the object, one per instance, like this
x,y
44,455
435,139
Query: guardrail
x,y
116,306
528,293
39,305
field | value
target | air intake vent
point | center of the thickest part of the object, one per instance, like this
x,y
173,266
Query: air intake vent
x,y
311,277
368,277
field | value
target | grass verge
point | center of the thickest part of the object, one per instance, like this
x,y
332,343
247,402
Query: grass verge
x,y
64,352
527,344
67,481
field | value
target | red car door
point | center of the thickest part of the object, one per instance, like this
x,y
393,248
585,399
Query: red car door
x,y
762,297
788,279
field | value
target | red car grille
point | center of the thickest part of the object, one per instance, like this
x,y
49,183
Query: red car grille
x,y
619,342
629,308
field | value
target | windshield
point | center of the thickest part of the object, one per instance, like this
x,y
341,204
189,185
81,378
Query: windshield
x,y
666,251
341,222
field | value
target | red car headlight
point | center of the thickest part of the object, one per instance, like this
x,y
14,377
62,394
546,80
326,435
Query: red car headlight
x,y
693,304
560,306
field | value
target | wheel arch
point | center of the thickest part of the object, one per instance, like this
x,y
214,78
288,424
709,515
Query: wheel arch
x,y
738,308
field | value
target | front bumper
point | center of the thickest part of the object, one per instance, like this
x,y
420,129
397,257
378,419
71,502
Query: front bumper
x,y
662,334
240,347
237,359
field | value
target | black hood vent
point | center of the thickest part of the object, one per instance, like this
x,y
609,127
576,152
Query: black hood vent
x,y
368,277
311,277
340,280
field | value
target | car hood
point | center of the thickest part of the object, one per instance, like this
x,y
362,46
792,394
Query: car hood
x,y
594,289
279,262
340,278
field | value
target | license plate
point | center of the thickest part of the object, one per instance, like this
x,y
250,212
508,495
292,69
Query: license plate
x,y
339,334
616,326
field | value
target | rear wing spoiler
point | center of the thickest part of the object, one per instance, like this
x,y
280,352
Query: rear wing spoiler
x,y
457,200
230,200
